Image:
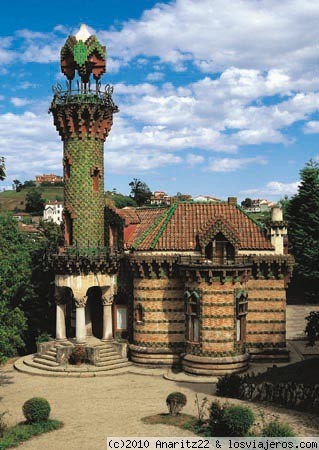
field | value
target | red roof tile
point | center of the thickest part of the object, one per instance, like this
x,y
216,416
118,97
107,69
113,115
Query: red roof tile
x,y
177,227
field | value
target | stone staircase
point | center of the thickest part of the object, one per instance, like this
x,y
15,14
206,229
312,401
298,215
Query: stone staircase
x,y
109,359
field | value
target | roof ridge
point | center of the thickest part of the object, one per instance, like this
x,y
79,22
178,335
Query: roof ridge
x,y
170,212
149,230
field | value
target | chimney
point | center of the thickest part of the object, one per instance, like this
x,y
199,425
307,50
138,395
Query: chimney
x,y
232,201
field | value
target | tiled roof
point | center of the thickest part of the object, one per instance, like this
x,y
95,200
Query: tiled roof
x,y
129,215
176,228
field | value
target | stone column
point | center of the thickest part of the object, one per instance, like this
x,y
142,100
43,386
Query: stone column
x,y
60,333
80,327
107,302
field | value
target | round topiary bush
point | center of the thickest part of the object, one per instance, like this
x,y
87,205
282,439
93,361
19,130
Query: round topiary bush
x,y
237,420
37,409
175,402
277,429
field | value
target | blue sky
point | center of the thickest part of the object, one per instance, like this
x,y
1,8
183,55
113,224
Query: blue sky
x,y
217,98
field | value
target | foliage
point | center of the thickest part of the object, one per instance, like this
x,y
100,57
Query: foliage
x,y
119,200
78,355
175,402
284,203
215,419
140,192
34,201
43,337
18,185
3,423
230,420
21,432
28,184
2,168
312,327
303,217
277,429
229,385
246,203
36,409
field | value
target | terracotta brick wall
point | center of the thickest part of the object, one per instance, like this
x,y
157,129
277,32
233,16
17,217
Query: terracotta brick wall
x,y
266,316
163,312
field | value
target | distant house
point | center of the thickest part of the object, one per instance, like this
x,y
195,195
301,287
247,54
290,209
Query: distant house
x,y
259,206
53,212
21,216
48,178
206,198
160,198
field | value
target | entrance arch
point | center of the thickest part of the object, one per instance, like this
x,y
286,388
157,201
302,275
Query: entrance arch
x,y
94,312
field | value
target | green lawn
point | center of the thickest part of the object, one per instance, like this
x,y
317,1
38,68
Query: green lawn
x,y
305,372
12,199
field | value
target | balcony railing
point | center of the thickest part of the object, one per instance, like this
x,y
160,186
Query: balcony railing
x,y
238,261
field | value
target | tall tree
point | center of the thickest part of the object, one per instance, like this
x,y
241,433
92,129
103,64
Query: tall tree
x,y
34,201
2,168
303,217
140,191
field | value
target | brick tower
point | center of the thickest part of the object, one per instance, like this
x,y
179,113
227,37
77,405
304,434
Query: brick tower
x,y
86,267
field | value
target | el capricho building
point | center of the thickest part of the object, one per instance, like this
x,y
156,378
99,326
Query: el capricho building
x,y
198,285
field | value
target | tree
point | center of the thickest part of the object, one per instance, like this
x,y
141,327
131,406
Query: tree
x,y
18,185
2,168
140,192
303,232
246,203
34,201
28,184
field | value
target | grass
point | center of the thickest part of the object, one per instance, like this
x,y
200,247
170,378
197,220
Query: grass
x,y
183,421
23,431
12,199
305,372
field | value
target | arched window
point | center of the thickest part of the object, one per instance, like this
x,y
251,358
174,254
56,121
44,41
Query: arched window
x,y
241,312
192,312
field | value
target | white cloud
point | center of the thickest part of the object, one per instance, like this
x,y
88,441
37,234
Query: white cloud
x,y
274,189
232,164
155,76
311,127
192,160
131,162
18,101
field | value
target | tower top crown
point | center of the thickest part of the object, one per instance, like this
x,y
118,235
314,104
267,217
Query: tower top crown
x,y
83,34
83,54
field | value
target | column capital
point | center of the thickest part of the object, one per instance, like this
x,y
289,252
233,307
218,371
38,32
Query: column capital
x,y
80,302
107,300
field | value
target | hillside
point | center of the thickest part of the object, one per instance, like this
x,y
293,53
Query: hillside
x,y
9,200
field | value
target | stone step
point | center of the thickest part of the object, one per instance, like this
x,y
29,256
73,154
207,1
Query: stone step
x,y
113,364
51,352
108,352
37,365
45,362
110,358
48,357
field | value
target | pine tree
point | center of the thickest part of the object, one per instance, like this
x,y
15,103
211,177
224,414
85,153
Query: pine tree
x,y
303,217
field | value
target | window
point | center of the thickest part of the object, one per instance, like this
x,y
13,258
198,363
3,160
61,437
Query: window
x,y
241,312
121,317
139,314
67,167
192,311
220,250
96,175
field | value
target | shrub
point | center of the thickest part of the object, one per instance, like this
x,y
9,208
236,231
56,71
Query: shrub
x,y
277,429
237,420
215,425
229,385
175,402
312,327
37,409
77,355
43,337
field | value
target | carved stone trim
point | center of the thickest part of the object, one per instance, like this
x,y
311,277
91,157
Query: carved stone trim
x,y
80,302
107,300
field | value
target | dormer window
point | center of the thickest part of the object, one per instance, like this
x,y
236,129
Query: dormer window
x,y
219,250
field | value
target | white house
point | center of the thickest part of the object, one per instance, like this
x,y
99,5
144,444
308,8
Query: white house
x,y
53,212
